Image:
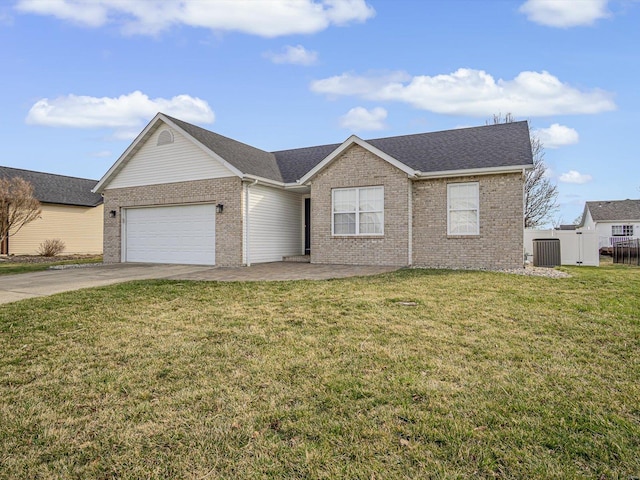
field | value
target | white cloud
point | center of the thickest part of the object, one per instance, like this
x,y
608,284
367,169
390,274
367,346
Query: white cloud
x,y
557,136
472,93
573,176
359,118
126,113
565,13
150,17
297,55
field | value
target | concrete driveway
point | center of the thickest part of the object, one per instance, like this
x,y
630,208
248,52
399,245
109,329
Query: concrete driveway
x,y
48,282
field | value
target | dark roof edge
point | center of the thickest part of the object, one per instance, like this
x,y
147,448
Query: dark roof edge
x,y
48,173
48,187
396,136
173,119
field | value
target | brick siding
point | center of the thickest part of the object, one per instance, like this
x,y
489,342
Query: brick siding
x,y
357,167
500,242
227,191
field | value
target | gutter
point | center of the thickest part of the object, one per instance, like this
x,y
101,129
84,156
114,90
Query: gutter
x,y
471,172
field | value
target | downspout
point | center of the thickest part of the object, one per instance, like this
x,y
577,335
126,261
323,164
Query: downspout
x,y
413,177
246,216
410,222
524,207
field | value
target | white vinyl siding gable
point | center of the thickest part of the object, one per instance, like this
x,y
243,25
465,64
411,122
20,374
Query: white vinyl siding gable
x,y
463,209
275,224
357,211
178,161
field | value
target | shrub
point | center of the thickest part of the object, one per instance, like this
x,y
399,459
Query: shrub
x,y
51,248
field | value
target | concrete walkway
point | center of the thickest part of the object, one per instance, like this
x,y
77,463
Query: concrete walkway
x,y
39,284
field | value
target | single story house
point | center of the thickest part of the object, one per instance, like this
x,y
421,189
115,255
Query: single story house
x,y
71,212
613,220
450,199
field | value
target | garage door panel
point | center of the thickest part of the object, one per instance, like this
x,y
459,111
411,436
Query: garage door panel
x,y
173,234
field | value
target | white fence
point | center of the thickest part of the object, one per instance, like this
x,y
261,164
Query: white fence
x,y
606,242
576,247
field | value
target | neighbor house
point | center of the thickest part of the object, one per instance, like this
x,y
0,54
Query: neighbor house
x,y
454,199
71,212
613,220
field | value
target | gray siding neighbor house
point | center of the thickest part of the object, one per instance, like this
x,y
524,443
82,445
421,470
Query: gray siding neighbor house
x,y
451,199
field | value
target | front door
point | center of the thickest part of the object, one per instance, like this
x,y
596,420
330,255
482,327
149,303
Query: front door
x,y
307,226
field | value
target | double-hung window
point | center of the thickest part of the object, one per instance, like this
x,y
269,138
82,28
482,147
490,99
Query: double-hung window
x,y
358,211
463,209
622,230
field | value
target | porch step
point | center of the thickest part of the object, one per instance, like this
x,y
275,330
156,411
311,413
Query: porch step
x,y
297,258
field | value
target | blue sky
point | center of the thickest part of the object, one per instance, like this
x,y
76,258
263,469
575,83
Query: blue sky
x,y
81,78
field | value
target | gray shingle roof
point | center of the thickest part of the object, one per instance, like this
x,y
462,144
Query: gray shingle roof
x,y
247,159
295,164
612,210
501,145
60,189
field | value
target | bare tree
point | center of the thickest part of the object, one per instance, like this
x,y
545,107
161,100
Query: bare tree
x,y
578,219
540,194
18,206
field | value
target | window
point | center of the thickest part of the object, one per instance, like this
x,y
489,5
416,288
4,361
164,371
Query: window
x,y
622,230
463,212
358,211
165,137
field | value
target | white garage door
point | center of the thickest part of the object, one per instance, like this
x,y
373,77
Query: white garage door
x,y
177,234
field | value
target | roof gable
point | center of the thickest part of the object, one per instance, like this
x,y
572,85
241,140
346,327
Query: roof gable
x,y
486,149
354,140
144,137
169,155
245,158
58,189
476,148
614,210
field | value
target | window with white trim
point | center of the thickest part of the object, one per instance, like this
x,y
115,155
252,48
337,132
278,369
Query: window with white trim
x,y
357,211
622,230
463,208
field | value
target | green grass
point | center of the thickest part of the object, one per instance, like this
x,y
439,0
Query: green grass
x,y
490,375
11,268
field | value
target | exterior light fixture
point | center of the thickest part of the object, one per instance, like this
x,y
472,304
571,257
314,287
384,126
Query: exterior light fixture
x,y
219,208
112,213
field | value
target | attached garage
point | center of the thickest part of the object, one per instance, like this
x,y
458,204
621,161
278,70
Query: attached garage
x,y
170,234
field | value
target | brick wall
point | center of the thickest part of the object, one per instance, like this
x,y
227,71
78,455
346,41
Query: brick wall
x,y
357,167
227,191
500,242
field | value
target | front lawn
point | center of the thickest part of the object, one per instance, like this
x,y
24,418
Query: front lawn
x,y
488,375
24,264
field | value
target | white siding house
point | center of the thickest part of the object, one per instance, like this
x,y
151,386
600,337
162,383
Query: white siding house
x,y
275,214
613,221
179,160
